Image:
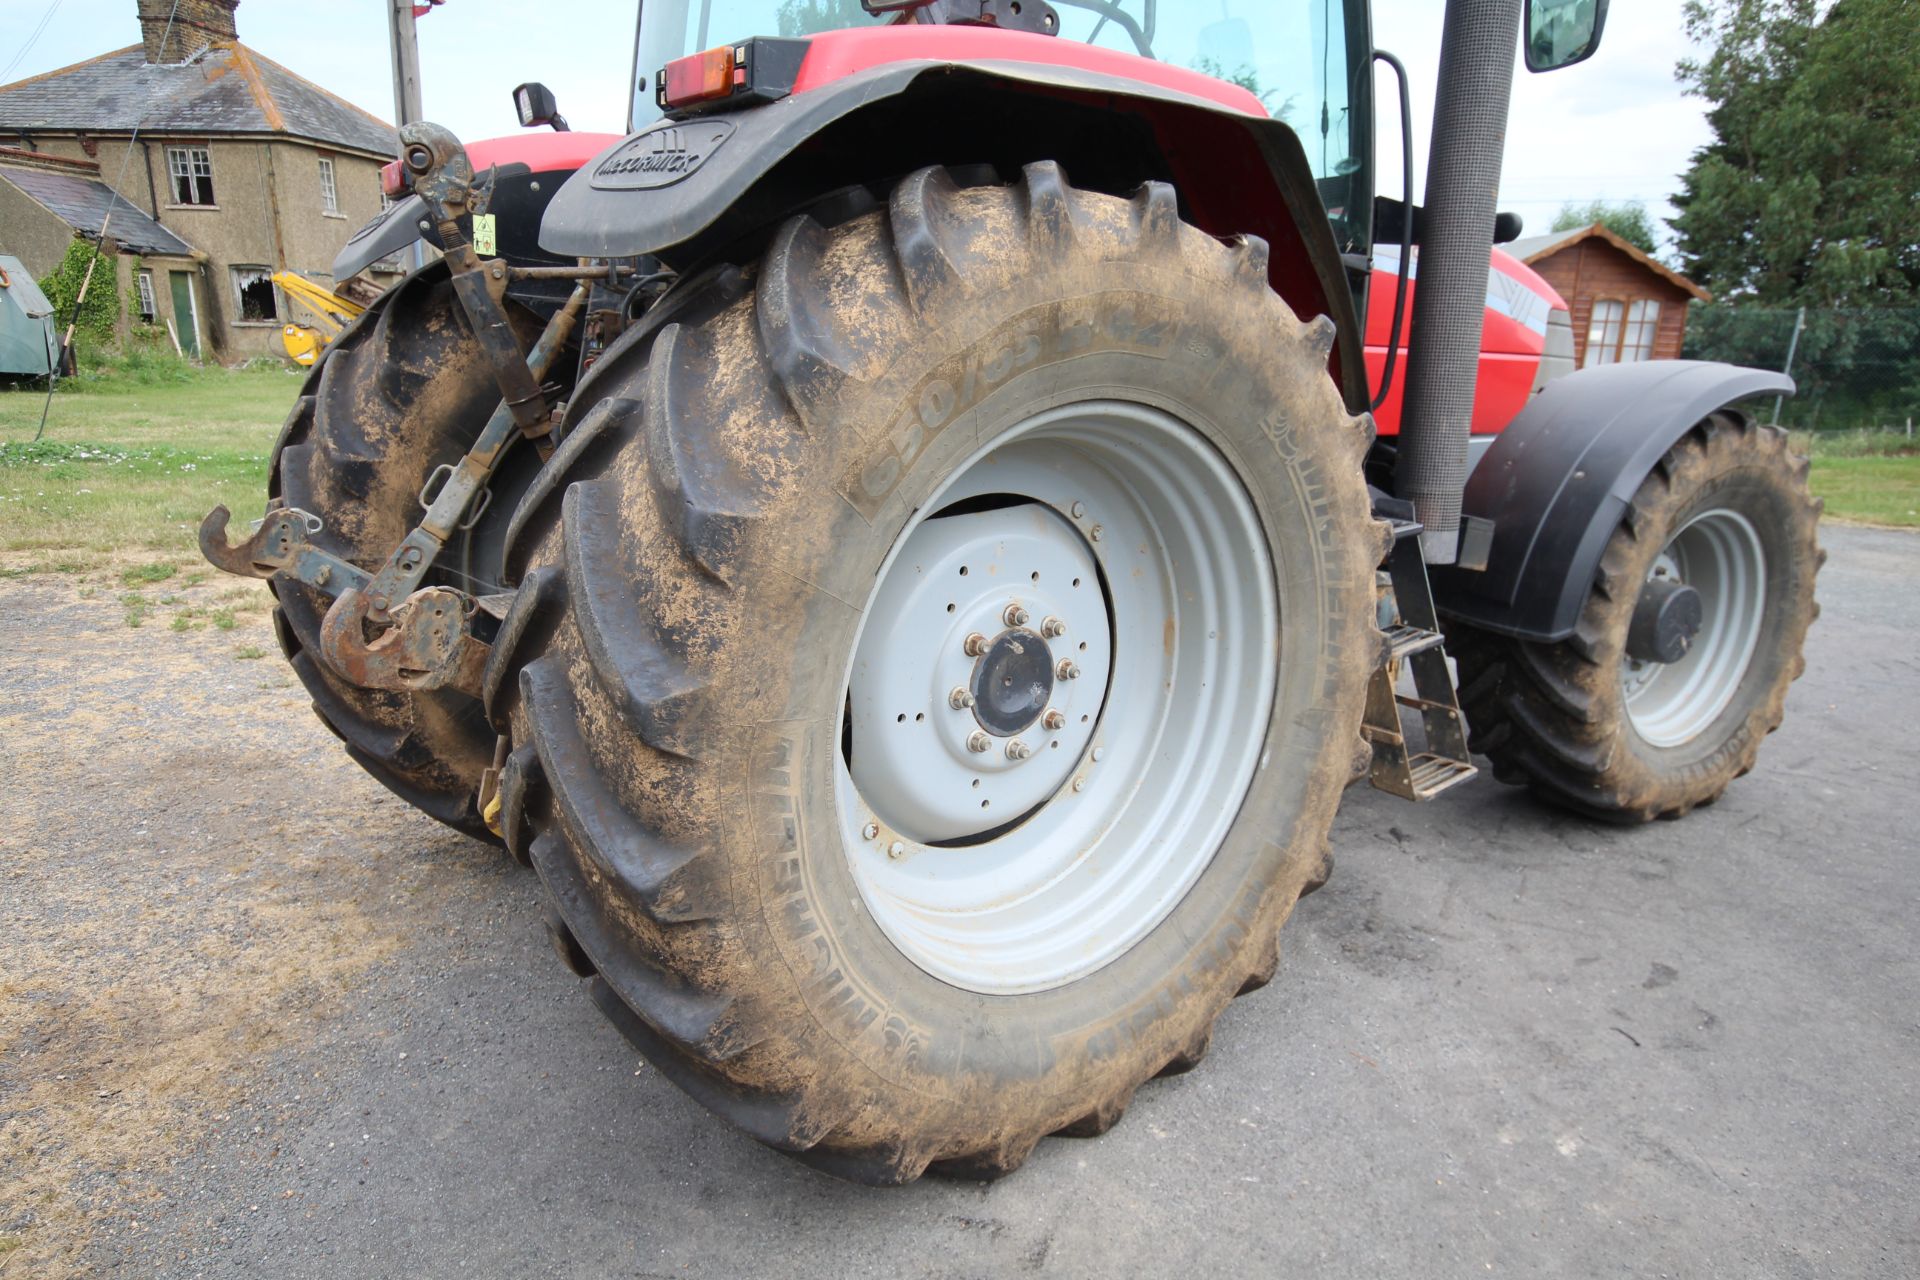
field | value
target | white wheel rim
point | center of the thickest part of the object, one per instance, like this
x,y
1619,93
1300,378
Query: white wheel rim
x,y
1718,554
1174,628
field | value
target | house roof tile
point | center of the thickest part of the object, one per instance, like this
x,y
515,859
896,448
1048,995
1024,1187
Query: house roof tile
x,y
83,203
228,88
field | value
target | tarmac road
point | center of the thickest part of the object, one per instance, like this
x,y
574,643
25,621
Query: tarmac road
x,y
1503,1041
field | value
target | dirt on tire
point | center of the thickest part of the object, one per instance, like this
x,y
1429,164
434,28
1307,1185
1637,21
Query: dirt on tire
x,y
691,567
1552,717
401,392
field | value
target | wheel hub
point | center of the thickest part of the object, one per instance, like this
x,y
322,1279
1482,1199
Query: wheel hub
x,y
962,720
1694,628
1012,682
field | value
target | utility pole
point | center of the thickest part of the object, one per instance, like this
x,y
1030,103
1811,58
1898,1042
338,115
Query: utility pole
x,y
406,80
406,62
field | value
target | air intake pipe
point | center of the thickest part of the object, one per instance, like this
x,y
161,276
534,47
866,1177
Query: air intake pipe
x,y
1456,234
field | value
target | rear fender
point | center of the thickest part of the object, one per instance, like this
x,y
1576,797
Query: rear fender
x,y
1557,481
717,185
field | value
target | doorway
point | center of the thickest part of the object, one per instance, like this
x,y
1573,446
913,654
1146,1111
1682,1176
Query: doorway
x,y
186,316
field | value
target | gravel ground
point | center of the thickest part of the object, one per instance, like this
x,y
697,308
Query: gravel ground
x,y
256,1017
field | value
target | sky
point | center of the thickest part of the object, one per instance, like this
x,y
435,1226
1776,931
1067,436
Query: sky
x,y
1615,127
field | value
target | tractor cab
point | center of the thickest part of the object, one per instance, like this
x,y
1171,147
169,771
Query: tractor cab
x,y
1305,62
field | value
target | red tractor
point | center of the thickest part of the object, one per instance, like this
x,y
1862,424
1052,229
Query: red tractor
x,y
902,545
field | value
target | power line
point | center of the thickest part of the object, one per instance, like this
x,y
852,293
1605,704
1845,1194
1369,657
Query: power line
x,y
33,39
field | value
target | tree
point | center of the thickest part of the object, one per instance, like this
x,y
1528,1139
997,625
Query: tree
x,y
1806,194
1629,221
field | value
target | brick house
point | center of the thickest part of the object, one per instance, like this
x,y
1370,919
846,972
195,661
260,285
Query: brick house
x,y
241,168
1625,306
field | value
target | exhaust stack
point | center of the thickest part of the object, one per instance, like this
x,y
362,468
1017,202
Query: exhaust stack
x,y
1456,233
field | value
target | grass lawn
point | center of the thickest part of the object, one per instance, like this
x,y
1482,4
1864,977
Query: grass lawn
x,y
1870,477
133,458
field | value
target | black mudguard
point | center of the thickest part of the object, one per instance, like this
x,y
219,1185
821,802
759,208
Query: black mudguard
x,y
686,190
1558,480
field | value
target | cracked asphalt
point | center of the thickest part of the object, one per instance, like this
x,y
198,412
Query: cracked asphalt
x,y
1503,1041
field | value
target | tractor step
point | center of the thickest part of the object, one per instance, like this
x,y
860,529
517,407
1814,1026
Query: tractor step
x,y
1404,641
1414,638
1431,774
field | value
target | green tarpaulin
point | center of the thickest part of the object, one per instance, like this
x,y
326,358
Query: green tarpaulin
x,y
28,341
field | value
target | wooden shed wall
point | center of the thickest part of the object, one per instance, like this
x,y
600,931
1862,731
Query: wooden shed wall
x,y
1594,269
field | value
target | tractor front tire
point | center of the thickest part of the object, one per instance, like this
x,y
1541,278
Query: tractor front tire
x,y
765,845
1588,726
403,390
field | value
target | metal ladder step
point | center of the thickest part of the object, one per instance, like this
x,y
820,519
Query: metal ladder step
x,y
1430,774
1407,640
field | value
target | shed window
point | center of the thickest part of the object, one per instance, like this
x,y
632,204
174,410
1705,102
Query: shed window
x,y
143,283
1603,331
254,287
191,172
1643,318
329,194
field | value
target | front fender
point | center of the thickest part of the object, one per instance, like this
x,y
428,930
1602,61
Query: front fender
x,y
686,190
1558,480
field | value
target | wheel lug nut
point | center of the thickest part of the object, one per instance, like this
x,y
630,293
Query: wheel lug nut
x,y
1095,533
1018,750
975,645
897,850
1078,509
1015,616
1067,670
1054,720
959,699
1051,626
978,741
869,831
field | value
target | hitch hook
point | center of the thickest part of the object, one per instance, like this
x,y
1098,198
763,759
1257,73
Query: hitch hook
x,y
266,548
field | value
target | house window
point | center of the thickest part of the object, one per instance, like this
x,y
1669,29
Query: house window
x,y
254,288
329,194
191,171
1603,331
1643,317
143,283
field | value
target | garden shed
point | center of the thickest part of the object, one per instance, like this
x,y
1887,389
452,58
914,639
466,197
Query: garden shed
x,y
1625,305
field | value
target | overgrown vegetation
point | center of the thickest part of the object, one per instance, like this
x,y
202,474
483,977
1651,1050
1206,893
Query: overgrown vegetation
x,y
100,309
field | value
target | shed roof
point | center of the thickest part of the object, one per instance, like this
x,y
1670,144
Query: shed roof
x,y
23,288
227,88
83,203
1531,249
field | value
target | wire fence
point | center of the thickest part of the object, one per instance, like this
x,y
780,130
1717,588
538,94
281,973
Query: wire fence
x,y
1857,370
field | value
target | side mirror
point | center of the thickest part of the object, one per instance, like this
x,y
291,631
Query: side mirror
x,y
536,106
1563,32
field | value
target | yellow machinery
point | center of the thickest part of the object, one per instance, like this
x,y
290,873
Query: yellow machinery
x,y
304,342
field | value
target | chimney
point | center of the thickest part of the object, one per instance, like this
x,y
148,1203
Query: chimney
x,y
196,24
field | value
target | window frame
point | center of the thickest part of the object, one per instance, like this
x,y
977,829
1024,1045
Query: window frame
x,y
1644,329
1610,346
264,276
194,165
144,296
329,186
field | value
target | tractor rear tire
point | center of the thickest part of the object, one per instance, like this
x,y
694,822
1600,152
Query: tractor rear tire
x,y
1586,726
401,391
702,558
